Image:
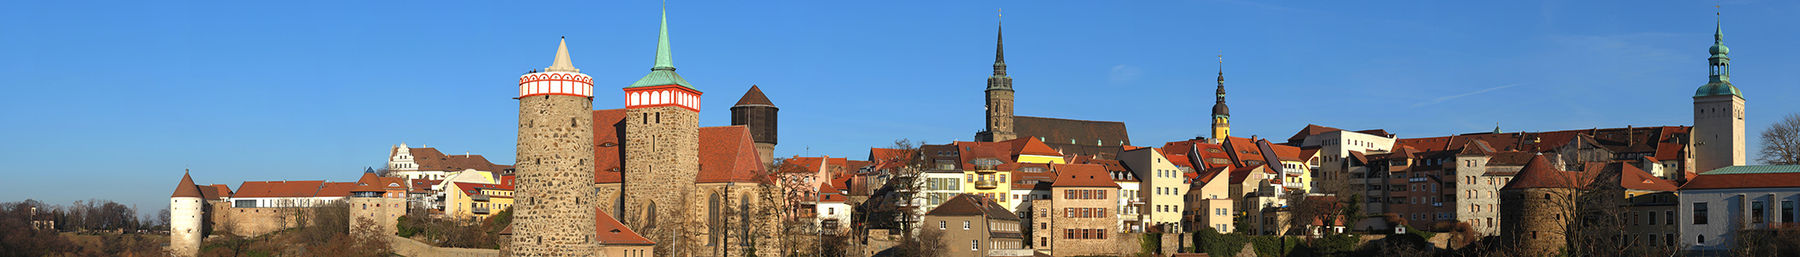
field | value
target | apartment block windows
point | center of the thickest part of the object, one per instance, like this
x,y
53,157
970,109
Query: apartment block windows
x,y
1700,216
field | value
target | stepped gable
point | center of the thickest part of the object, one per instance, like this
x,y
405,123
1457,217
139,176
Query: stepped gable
x,y
186,187
1082,175
610,232
1539,173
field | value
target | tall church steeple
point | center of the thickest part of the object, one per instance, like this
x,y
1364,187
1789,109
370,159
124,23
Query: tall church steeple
x,y
1221,115
999,96
1718,139
661,150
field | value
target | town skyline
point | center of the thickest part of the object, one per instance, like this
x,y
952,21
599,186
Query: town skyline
x,y
300,122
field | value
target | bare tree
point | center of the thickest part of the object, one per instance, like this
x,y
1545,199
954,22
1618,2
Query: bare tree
x,y
1781,142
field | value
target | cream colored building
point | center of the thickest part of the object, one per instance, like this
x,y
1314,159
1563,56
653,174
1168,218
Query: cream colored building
x,y
1161,187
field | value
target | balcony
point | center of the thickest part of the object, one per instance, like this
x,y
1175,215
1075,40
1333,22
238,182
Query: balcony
x,y
479,198
479,210
986,184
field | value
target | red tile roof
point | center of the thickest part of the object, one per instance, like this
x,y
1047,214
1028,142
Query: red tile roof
x,y
186,187
609,134
215,192
1082,175
727,153
754,97
1629,176
305,188
611,232
431,159
1743,180
1539,173
336,189
470,189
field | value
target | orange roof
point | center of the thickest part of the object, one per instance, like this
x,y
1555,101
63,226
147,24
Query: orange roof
x,y
215,192
336,189
609,134
1538,173
611,232
305,188
1032,146
475,188
1308,131
727,153
1629,176
186,187
1082,175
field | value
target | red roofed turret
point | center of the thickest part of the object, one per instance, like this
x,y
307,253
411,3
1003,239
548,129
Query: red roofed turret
x,y
186,187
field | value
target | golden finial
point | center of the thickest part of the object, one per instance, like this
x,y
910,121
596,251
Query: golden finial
x,y
998,13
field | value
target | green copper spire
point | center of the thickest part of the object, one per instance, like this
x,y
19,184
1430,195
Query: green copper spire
x,y
663,72
1719,64
663,60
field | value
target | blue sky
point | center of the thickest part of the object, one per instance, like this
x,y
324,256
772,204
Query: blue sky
x,y
113,100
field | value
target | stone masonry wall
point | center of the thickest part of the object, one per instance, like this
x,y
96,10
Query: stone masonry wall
x,y
1532,223
553,210
661,162
382,213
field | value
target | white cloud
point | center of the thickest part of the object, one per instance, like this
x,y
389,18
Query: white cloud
x,y
1449,97
1122,74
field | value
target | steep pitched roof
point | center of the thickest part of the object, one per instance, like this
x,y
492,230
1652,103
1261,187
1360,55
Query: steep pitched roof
x,y
727,154
1082,175
1628,176
972,205
1074,136
186,187
1539,173
609,144
611,232
1476,147
754,97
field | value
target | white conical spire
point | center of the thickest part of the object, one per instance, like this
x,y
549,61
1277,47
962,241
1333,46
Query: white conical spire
x,y
562,63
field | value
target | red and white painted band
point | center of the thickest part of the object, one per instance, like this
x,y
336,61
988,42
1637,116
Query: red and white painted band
x,y
556,83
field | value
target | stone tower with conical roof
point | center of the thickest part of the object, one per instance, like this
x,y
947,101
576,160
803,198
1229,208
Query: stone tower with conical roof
x,y
1718,136
662,155
754,111
553,212
1221,116
186,212
999,96
1537,206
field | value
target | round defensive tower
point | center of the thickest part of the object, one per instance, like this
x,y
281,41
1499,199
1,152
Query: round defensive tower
x,y
185,212
553,214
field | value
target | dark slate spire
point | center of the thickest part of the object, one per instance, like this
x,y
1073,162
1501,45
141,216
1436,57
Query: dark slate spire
x,y
1219,108
1000,50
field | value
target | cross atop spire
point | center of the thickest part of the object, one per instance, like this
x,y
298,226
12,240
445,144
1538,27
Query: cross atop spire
x,y
562,63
